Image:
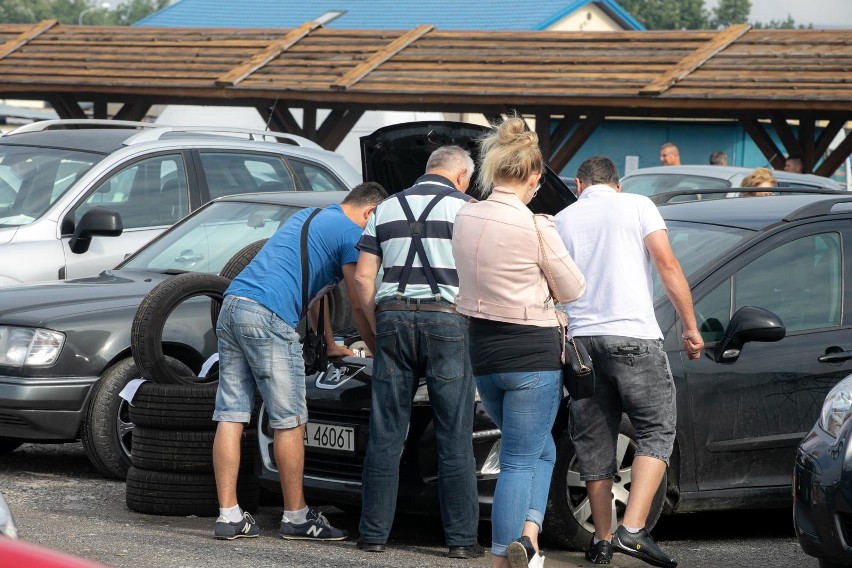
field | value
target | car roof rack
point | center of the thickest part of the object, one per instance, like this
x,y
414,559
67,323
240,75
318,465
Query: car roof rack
x,y
665,197
820,208
161,130
151,131
61,123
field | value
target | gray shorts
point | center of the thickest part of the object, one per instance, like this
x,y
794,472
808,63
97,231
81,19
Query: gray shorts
x,y
631,376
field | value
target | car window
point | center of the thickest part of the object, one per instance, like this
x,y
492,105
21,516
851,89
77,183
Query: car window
x,y
651,184
696,244
207,240
800,281
230,173
316,178
32,179
148,193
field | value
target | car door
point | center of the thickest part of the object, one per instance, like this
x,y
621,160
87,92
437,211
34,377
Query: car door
x,y
748,416
150,194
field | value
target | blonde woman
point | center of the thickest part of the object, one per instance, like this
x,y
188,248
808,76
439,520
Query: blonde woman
x,y
511,264
760,177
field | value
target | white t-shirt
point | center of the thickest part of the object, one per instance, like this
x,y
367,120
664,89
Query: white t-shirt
x,y
604,231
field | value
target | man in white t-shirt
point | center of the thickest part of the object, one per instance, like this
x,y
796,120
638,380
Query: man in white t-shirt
x,y
613,238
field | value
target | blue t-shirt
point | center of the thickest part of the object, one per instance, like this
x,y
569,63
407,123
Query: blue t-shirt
x,y
274,277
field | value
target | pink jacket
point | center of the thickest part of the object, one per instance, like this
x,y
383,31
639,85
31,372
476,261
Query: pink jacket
x,y
502,273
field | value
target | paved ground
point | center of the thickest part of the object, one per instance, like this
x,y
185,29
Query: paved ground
x,y
60,501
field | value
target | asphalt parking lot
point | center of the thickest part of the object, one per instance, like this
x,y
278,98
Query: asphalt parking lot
x,y
61,502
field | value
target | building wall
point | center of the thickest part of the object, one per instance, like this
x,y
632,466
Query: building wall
x,y
590,18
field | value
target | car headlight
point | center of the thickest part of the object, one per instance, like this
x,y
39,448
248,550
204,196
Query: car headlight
x,y
26,346
837,406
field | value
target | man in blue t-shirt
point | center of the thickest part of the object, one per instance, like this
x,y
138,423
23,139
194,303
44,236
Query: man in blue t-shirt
x,y
259,349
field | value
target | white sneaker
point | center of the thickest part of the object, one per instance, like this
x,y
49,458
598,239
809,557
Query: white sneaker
x,y
537,561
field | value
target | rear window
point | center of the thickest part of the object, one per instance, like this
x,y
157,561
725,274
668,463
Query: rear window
x,y
650,184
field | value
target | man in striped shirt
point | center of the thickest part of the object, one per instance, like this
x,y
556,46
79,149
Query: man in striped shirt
x,y
418,332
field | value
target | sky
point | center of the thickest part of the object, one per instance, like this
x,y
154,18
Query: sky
x,y
820,13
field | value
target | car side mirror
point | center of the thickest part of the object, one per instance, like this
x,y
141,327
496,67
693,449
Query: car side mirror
x,y
97,221
749,323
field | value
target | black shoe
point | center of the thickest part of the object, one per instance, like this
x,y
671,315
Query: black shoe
x,y
520,552
371,546
640,545
472,551
600,553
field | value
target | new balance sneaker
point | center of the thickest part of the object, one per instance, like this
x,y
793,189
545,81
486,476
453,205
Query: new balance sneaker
x,y
244,528
640,545
600,553
316,527
522,554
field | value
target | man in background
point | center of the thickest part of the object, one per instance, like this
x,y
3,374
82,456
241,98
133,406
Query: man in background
x,y
669,154
794,164
718,158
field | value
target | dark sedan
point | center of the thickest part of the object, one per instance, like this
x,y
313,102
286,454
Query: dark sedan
x,y
61,342
822,482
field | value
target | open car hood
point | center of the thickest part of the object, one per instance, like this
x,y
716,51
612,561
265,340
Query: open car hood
x,y
395,156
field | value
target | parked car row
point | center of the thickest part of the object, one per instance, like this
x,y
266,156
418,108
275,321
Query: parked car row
x,y
769,277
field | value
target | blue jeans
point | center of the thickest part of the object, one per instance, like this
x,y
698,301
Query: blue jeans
x,y
411,345
523,405
257,349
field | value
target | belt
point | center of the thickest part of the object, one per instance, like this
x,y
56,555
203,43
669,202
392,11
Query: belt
x,y
416,307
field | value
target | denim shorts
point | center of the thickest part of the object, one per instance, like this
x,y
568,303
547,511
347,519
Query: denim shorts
x,y
631,376
257,350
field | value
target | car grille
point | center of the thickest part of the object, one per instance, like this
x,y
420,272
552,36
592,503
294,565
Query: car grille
x,y
334,465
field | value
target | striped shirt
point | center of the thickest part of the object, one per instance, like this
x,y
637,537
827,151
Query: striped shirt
x,y
387,235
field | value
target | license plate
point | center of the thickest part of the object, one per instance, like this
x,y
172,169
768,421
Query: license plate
x,y
330,437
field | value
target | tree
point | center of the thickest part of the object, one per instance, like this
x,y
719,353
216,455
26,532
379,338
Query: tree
x,y
68,11
134,10
731,12
668,14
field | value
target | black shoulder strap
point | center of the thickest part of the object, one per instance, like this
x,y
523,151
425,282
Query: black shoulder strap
x,y
417,228
304,247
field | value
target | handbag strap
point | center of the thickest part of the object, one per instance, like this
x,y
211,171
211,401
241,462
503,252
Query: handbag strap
x,y
551,284
304,248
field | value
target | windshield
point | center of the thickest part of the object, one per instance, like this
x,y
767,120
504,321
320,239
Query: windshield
x,y
650,184
33,178
208,240
696,244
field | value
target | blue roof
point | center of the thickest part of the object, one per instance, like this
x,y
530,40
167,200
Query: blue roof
x,y
381,14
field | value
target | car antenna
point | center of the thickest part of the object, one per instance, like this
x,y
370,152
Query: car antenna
x,y
271,112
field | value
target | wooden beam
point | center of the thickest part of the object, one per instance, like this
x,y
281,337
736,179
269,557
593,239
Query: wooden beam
x,y
132,111
309,123
24,38
828,133
695,60
836,158
563,129
764,142
542,128
274,49
807,126
360,71
336,126
585,129
785,133
66,107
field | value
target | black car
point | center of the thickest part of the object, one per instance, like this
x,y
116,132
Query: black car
x,y
65,346
822,480
768,275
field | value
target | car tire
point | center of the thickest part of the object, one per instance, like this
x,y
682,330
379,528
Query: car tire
x,y
185,451
106,427
9,445
146,332
568,520
233,267
174,407
184,494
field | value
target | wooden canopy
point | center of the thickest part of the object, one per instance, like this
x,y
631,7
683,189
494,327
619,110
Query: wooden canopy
x,y
570,81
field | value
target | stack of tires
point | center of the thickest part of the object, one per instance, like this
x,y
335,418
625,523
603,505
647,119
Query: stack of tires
x,y
172,453
172,445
